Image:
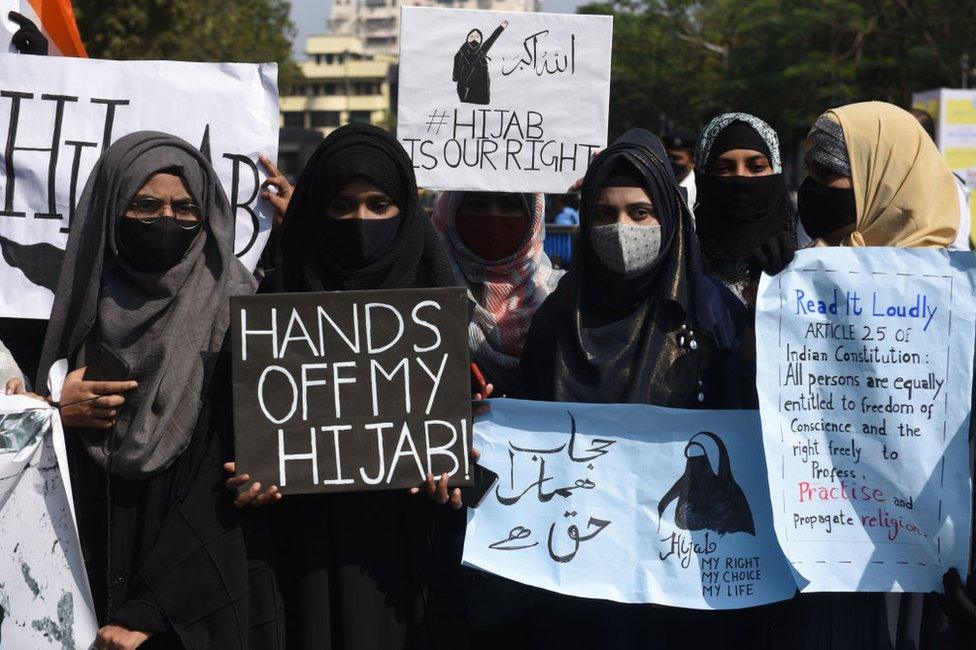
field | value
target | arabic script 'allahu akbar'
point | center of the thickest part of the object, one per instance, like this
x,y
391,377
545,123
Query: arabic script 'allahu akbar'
x,y
545,62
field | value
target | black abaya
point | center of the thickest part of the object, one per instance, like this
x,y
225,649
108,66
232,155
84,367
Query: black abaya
x,y
371,570
166,554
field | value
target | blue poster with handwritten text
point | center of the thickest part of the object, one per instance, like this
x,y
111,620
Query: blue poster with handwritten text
x,y
628,502
865,382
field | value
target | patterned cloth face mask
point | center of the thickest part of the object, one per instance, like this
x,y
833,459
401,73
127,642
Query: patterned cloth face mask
x,y
626,248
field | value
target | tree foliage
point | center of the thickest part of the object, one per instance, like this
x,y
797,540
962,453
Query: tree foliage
x,y
784,60
253,31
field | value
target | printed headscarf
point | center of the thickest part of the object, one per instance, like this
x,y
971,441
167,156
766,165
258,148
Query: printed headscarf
x,y
506,292
718,124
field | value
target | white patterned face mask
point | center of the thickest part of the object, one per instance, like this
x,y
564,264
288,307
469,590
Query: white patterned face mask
x,y
626,248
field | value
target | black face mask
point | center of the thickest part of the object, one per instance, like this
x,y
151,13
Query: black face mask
x,y
737,214
824,210
356,243
155,246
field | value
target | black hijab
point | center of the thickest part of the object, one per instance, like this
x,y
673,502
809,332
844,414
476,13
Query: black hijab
x,y
603,337
415,258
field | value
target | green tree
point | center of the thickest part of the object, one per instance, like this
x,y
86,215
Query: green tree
x,y
254,31
784,60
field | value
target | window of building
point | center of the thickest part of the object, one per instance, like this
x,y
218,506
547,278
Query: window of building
x,y
359,117
325,118
294,118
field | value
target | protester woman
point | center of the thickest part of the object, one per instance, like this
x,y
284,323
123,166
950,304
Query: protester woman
x,y
494,241
634,320
375,569
875,179
744,216
143,303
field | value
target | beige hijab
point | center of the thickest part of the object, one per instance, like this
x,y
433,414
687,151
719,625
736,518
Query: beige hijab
x,y
903,189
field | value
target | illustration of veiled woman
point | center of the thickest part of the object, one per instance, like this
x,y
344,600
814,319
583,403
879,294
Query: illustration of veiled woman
x,y
471,66
708,500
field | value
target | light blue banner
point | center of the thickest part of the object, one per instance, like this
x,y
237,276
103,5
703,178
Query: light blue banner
x,y
865,382
630,503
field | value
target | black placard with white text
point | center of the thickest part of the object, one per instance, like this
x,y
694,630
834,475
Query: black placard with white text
x,y
352,390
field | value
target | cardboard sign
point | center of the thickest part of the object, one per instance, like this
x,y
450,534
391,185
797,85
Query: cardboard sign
x,y
864,388
57,116
352,390
628,502
502,102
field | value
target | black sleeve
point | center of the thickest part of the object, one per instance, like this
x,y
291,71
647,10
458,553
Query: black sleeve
x,y
491,39
538,358
194,581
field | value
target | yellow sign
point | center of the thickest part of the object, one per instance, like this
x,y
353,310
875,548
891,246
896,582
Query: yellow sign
x,y
960,111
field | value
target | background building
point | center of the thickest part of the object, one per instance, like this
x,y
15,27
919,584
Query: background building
x,y
342,84
377,22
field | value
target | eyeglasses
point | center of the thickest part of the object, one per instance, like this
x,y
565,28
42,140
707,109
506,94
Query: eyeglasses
x,y
150,210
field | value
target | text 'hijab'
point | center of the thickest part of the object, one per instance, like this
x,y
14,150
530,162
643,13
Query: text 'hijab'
x,y
167,324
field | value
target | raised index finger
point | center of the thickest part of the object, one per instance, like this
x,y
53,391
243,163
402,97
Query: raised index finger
x,y
270,166
111,387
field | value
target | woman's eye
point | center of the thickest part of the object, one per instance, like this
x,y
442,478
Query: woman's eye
x,y
379,207
341,207
146,205
642,213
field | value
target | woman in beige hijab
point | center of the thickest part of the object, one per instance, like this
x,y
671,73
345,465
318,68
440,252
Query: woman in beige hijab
x,y
875,178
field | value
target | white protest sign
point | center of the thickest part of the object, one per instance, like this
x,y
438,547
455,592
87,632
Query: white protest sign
x,y
865,385
503,102
58,114
45,601
628,502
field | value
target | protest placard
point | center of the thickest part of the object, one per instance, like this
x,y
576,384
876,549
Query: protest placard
x,y
502,102
352,390
45,600
628,502
58,114
864,381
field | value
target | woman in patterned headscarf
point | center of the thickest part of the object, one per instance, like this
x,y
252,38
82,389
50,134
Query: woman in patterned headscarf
x,y
495,243
744,216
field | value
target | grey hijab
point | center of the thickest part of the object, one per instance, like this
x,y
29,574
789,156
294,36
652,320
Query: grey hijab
x,y
168,325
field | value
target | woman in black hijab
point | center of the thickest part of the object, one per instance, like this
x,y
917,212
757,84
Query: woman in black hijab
x,y
633,320
148,271
369,570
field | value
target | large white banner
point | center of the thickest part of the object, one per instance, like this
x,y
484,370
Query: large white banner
x,y
503,102
865,380
45,601
58,114
628,502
